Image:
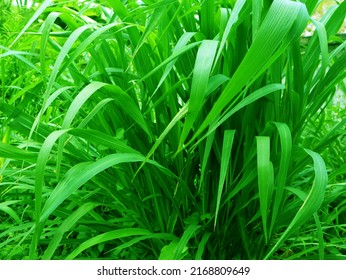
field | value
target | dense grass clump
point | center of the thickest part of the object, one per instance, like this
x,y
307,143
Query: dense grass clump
x,y
171,130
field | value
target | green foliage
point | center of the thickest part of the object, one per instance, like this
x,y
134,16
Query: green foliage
x,y
171,130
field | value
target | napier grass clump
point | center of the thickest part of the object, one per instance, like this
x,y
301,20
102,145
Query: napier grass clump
x,y
171,130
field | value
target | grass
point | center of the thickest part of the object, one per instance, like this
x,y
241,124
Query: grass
x,y
171,130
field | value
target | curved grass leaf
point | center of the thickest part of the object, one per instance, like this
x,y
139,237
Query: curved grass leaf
x,y
285,159
9,151
4,206
104,237
265,180
79,175
66,225
312,202
159,236
188,234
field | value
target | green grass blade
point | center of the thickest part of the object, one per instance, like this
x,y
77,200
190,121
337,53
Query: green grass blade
x,y
115,234
321,245
48,24
183,40
60,59
312,202
159,236
225,165
159,140
230,23
285,159
204,61
4,206
79,175
202,186
66,225
188,234
265,180
201,246
208,18
9,151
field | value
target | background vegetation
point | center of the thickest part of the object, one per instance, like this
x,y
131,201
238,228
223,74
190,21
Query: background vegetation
x,y
171,130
